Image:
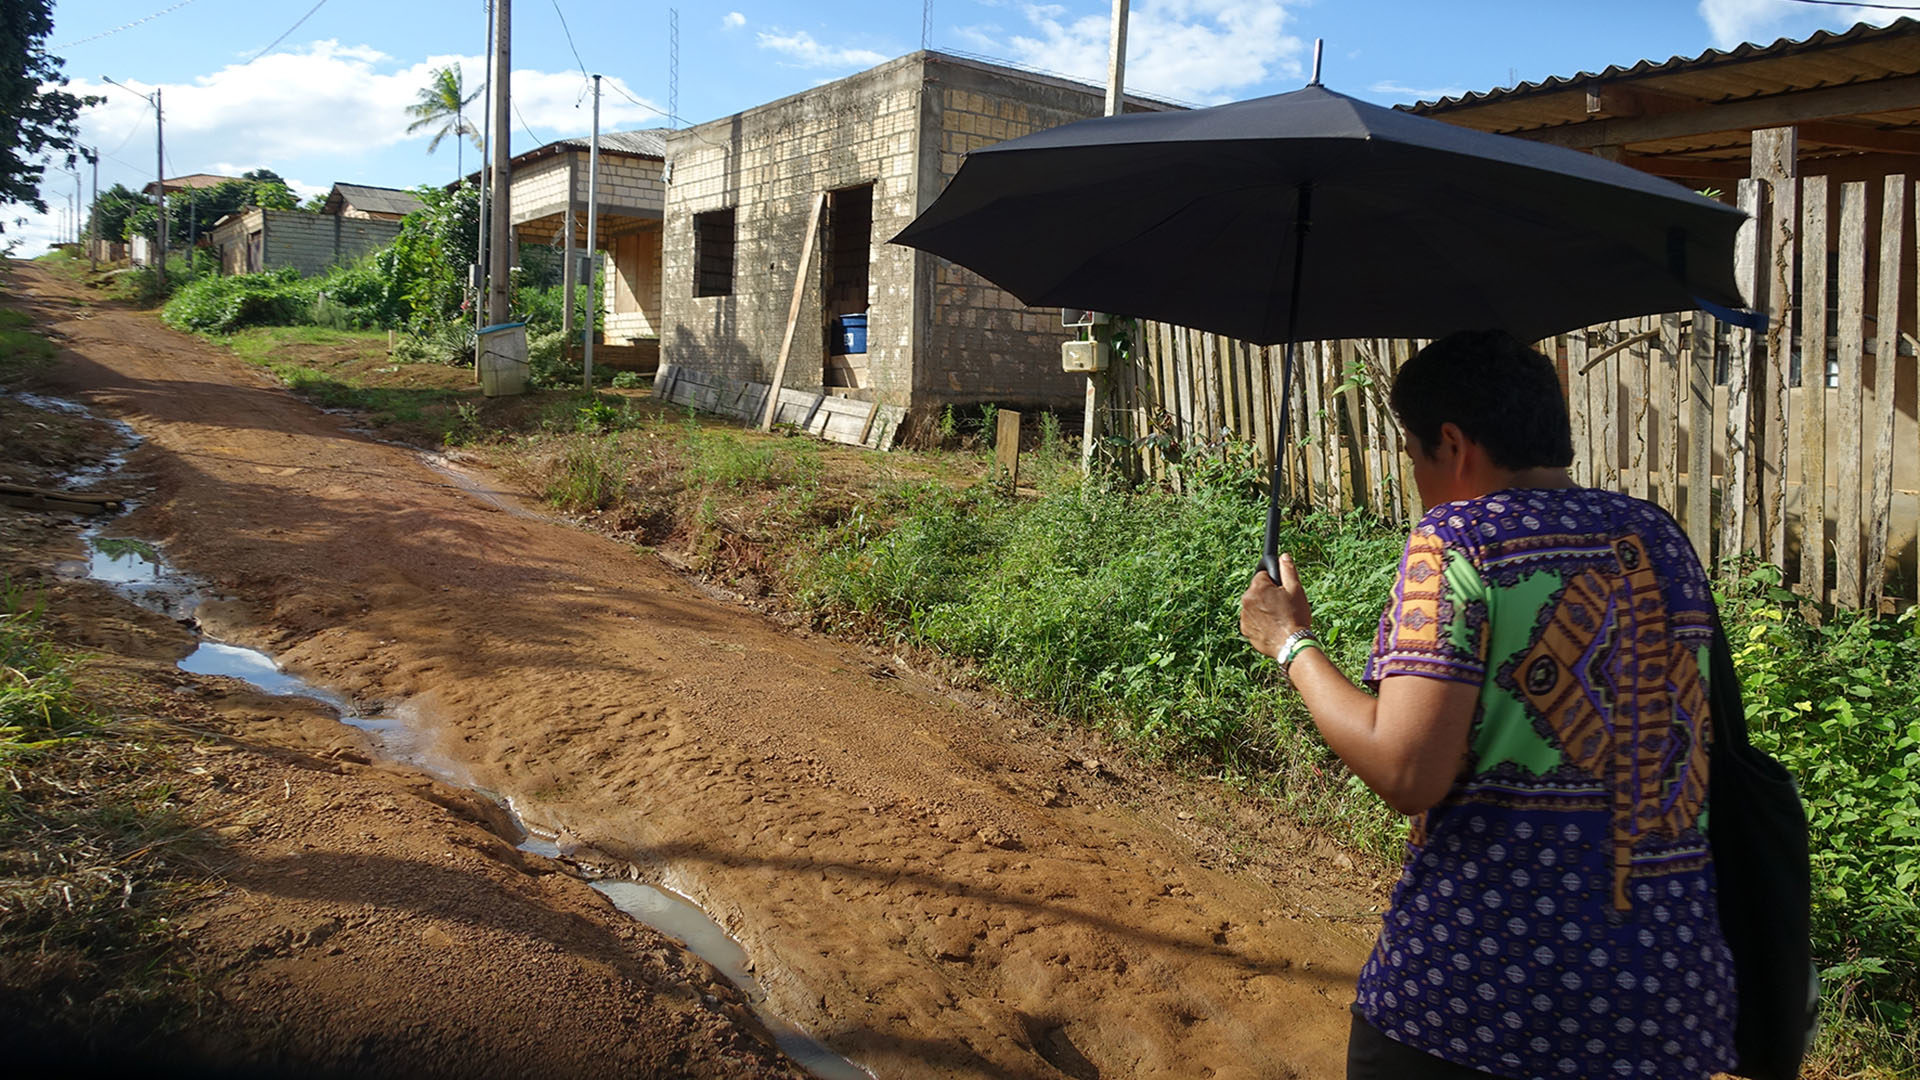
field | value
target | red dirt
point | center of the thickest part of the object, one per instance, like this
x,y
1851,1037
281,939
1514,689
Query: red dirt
x,y
929,882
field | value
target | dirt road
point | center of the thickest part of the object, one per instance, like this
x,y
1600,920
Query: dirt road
x,y
933,886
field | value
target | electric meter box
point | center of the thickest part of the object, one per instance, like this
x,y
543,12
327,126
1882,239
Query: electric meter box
x,y
1083,356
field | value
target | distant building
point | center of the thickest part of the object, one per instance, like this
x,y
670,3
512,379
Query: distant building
x,y
356,219
879,323
192,181
374,203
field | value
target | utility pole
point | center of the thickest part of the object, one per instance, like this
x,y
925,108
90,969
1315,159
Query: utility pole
x,y
500,255
93,210
1096,403
593,225
485,223
160,167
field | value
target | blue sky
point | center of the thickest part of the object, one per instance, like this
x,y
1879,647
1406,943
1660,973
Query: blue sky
x,y
325,102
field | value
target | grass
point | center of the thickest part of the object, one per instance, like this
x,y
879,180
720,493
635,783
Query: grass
x,y
87,815
22,350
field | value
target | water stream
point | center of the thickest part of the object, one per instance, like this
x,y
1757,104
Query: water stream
x,y
140,571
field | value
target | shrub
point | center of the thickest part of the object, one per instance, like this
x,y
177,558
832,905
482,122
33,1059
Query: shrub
x,y
1122,609
224,304
1838,702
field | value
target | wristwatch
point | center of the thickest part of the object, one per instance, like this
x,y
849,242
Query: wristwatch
x,y
1297,642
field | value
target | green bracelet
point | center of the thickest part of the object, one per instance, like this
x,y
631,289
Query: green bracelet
x,y
1297,642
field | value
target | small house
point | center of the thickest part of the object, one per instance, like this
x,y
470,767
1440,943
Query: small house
x,y
871,322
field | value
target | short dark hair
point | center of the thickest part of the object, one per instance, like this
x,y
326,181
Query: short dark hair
x,y
1503,395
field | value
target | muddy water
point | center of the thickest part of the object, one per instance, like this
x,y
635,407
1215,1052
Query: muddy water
x,y
138,569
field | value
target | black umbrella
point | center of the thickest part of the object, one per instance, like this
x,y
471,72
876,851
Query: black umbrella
x,y
1418,228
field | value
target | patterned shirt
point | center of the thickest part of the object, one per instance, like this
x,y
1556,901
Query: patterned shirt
x,y
1555,916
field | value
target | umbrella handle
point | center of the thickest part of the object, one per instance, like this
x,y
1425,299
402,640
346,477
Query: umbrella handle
x,y
1303,220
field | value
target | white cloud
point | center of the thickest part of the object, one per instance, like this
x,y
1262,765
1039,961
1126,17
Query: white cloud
x,y
1410,93
328,101
733,20
1189,50
803,51
1733,22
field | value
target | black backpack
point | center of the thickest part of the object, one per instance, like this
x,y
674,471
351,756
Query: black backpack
x,y
1758,832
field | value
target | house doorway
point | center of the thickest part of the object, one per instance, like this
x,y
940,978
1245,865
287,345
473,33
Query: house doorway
x,y
845,265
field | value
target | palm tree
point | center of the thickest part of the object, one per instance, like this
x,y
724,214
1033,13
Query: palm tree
x,y
443,109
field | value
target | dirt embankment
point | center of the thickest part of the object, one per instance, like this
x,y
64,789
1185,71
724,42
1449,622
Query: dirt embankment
x,y
934,885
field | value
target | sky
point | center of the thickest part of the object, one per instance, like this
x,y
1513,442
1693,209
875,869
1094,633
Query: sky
x,y
318,93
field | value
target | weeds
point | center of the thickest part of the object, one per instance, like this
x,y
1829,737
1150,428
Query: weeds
x,y
587,474
1838,702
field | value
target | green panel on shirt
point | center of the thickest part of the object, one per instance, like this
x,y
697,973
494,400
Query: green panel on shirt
x,y
1505,732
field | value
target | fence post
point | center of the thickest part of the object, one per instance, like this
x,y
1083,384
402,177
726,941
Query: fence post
x,y
1813,389
1886,355
1738,510
1852,333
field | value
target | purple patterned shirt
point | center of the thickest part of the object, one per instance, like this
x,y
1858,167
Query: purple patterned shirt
x,y
1555,916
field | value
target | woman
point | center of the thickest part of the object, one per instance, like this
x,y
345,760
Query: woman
x,y
1541,715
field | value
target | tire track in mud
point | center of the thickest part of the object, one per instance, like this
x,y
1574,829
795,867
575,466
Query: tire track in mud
x,y
926,890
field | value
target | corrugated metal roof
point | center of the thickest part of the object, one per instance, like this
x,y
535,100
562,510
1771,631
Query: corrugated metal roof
x,y
376,200
646,142
1903,60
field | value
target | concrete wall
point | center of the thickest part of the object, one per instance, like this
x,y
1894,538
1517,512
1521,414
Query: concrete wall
x,y
310,243
981,343
769,164
936,334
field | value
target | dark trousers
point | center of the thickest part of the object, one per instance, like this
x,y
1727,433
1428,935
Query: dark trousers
x,y
1373,1056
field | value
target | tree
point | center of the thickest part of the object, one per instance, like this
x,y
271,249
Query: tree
x,y
112,209
37,119
443,102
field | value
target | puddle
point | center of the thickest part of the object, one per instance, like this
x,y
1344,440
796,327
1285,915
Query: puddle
x,y
215,658
675,915
122,561
138,569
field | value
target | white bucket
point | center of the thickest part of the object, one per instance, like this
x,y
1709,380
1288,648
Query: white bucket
x,y
502,364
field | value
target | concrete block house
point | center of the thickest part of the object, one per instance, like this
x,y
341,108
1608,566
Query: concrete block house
x,y
548,205
355,220
878,147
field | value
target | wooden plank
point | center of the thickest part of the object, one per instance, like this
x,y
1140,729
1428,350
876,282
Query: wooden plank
x,y
1358,429
1886,352
1609,451
1673,405
1006,445
1239,369
1774,159
1409,505
1700,438
1259,404
1634,362
1313,423
1148,391
1577,406
1740,489
793,309
1813,389
1852,334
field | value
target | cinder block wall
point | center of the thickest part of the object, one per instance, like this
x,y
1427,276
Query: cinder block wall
x,y
313,243
769,164
981,343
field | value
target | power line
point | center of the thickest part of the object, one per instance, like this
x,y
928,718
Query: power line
x,y
123,26
650,108
570,45
1851,4
289,30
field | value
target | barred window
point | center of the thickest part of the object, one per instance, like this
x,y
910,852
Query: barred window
x,y
713,253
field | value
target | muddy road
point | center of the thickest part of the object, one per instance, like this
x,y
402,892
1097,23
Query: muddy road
x,y
927,881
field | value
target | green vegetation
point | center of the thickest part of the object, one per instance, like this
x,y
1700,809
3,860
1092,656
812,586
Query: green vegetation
x,y
1838,701
1120,609
88,821
21,349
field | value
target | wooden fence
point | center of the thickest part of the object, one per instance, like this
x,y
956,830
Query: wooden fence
x,y
1812,467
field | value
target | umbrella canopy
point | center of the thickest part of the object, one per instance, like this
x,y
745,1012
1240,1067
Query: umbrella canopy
x,y
1416,228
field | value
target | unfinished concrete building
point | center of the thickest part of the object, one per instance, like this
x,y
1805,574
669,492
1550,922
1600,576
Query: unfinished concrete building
x,y
875,322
